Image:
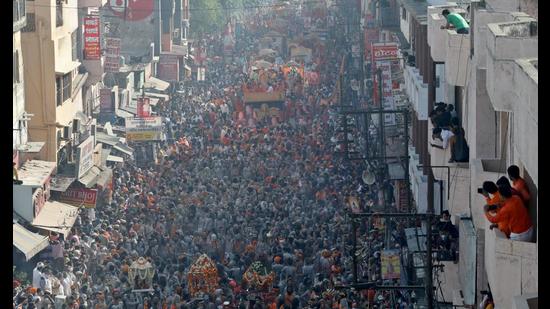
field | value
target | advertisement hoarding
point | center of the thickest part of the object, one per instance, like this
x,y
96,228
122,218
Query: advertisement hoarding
x,y
143,129
390,264
85,153
92,47
78,197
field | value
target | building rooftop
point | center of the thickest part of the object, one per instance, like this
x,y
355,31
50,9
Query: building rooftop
x,y
417,9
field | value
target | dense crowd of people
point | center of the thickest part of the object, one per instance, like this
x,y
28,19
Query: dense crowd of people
x,y
274,194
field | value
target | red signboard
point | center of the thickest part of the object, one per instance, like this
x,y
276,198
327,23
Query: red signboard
x,y
91,38
132,10
78,197
143,108
384,51
168,68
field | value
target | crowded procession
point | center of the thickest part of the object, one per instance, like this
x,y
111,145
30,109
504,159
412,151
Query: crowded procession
x,y
244,198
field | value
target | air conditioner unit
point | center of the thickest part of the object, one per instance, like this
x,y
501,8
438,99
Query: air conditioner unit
x,y
66,135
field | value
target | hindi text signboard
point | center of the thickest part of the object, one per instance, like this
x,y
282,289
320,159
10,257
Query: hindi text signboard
x,y
143,129
92,47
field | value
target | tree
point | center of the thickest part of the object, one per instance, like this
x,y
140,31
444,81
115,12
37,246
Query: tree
x,y
206,16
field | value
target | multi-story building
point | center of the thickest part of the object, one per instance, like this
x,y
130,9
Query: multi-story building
x,y
491,77
53,81
22,147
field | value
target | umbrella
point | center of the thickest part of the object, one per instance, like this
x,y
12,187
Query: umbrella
x,y
262,64
267,52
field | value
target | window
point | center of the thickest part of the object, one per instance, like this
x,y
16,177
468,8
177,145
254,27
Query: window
x,y
74,45
63,86
16,76
403,14
59,14
29,27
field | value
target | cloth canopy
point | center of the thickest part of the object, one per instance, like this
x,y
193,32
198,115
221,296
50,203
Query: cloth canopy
x,y
27,242
56,217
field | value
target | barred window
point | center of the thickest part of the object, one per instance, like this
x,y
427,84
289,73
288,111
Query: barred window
x,y
30,23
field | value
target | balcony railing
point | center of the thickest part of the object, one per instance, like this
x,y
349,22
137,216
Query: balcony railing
x,y
19,15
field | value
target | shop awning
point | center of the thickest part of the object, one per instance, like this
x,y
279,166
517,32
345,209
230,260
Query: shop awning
x,y
89,179
28,242
104,177
125,113
156,84
106,139
65,66
61,183
31,147
56,217
165,97
35,172
117,159
124,149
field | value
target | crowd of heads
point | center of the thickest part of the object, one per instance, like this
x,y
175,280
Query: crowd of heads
x,y
239,194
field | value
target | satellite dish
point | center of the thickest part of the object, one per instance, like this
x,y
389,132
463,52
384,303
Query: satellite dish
x,y
368,177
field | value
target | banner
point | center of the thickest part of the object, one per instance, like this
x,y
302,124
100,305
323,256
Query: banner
x,y
85,156
390,264
112,55
143,107
387,97
132,10
144,129
92,47
78,197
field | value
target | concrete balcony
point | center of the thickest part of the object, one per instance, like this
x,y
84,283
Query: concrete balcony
x,y
436,35
482,19
456,179
507,42
457,57
417,91
529,6
512,267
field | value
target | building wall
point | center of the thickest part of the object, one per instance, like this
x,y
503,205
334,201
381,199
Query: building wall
x,y
45,49
19,137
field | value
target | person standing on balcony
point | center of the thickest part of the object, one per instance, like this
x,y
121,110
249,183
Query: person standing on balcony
x,y
514,213
519,183
456,21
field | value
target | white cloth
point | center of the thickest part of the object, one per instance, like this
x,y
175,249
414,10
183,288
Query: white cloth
x,y
36,274
446,136
525,236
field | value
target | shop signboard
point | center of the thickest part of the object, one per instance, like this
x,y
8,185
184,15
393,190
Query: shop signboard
x,y
105,101
112,55
143,129
78,197
390,264
384,51
85,153
387,96
168,68
143,107
92,45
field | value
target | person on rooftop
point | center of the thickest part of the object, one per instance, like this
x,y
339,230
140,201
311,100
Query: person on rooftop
x,y
456,21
